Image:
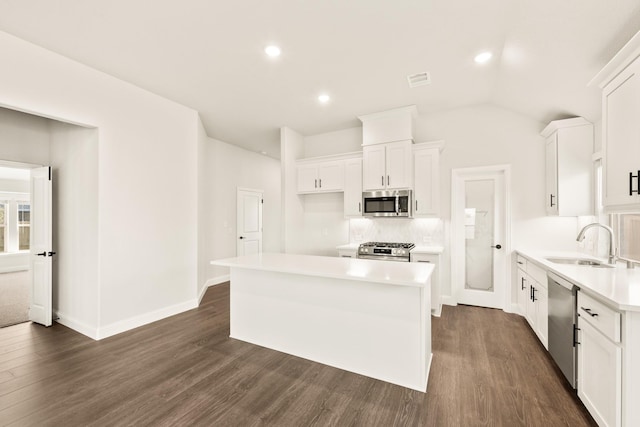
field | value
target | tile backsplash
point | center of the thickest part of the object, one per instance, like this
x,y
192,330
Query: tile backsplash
x,y
421,231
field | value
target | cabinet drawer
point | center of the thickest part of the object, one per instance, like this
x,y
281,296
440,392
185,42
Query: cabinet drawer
x,y
602,317
538,274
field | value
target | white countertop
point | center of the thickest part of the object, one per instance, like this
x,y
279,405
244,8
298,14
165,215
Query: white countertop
x,y
393,273
619,286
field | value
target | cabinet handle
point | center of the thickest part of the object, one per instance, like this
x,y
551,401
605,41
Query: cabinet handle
x,y
387,179
631,190
320,183
423,261
588,311
522,285
520,262
382,180
359,206
315,183
416,206
533,294
551,201
575,335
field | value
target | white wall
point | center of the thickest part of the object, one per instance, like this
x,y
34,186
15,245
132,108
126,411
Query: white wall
x,y
74,163
292,222
147,179
203,220
338,142
227,168
14,185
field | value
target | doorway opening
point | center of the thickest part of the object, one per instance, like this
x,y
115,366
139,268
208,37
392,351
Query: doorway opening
x,y
15,225
481,236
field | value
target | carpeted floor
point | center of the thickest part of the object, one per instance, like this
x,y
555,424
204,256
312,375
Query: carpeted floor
x,y
14,298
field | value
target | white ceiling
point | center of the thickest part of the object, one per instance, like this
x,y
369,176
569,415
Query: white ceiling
x,y
209,55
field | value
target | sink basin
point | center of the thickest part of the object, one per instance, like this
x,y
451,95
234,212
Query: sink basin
x,y
579,261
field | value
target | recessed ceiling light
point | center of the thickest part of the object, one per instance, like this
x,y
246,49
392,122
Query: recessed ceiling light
x,y
324,98
273,51
483,57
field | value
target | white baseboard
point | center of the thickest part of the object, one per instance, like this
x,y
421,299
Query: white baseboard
x,y
144,319
449,300
76,325
213,282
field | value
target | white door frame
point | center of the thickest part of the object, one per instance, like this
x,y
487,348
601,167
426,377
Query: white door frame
x,y
458,177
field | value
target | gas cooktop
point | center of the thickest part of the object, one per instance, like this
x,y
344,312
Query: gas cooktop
x,y
385,251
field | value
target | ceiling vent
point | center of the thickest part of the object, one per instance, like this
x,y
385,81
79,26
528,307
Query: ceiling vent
x,y
419,79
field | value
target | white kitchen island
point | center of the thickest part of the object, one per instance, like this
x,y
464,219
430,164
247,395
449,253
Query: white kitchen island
x,y
365,316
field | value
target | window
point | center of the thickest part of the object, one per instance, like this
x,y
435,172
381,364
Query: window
x,y
15,222
3,228
24,225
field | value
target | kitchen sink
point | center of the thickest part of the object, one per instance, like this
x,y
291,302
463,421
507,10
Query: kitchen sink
x,y
579,261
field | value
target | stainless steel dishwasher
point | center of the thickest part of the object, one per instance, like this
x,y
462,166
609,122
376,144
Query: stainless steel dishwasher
x,y
562,325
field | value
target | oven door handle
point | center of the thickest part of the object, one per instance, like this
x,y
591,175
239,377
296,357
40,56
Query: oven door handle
x,y
397,205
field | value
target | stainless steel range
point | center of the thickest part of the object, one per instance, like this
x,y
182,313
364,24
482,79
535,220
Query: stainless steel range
x,y
385,251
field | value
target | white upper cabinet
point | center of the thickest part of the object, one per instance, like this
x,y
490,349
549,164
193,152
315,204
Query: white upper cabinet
x,y
569,166
320,177
621,139
620,84
353,188
426,181
387,166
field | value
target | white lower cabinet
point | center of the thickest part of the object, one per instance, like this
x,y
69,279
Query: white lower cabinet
x,y
532,287
599,361
521,285
599,375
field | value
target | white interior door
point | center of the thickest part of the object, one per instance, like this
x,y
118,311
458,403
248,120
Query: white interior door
x,y
41,246
480,238
249,222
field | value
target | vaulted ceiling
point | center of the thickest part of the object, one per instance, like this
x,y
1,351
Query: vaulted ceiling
x,y
209,55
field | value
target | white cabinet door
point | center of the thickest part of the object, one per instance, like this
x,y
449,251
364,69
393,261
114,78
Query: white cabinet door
x,y
374,167
552,175
521,291
331,176
530,306
425,185
399,165
621,138
599,375
353,188
307,178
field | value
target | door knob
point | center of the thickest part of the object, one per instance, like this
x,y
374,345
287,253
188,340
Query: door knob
x,y
497,246
42,254
241,237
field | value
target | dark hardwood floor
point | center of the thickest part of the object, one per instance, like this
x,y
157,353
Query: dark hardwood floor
x,y
488,369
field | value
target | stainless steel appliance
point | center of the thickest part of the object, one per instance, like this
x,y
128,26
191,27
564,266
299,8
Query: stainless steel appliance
x,y
562,325
385,251
387,203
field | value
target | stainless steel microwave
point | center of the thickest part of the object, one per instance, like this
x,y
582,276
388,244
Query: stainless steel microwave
x,y
387,203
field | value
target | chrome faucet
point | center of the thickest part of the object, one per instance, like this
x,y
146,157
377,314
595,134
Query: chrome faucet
x,y
612,253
